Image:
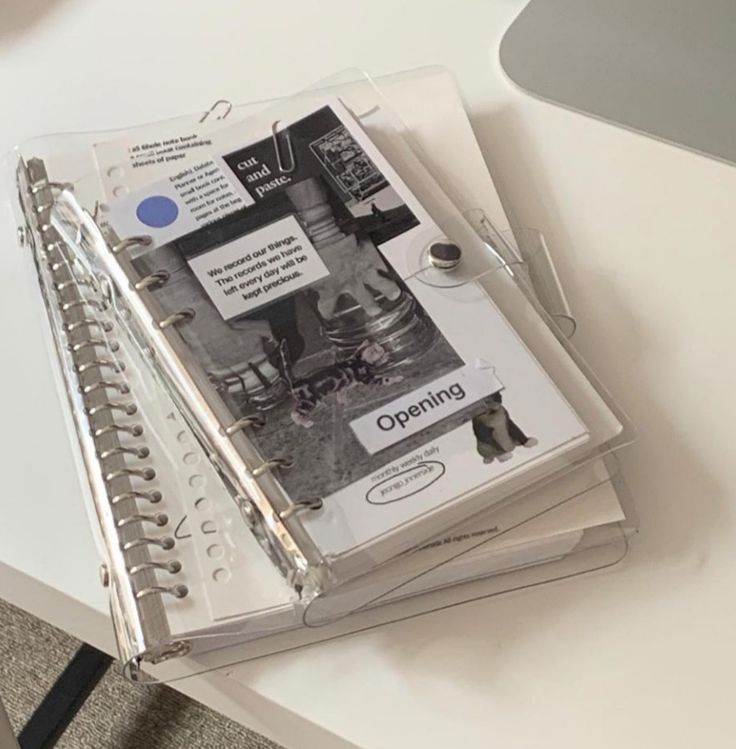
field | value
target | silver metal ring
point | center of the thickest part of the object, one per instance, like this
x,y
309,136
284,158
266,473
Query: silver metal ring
x,y
112,346
63,285
185,314
127,408
88,322
121,387
252,420
174,567
88,281
50,247
304,504
152,497
60,186
164,542
178,591
135,430
147,474
160,519
153,280
136,452
125,244
270,465
93,303
114,366
211,110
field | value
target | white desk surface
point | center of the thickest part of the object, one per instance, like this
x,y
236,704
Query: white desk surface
x,y
642,233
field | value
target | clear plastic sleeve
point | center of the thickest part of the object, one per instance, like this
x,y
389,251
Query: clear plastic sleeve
x,y
461,262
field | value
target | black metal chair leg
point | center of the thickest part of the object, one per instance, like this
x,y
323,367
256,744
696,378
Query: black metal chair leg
x,y
64,699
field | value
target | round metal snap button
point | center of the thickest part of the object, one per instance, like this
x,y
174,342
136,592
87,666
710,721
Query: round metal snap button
x,y
445,255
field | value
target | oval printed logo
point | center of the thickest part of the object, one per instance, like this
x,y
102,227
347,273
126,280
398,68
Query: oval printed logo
x,y
406,483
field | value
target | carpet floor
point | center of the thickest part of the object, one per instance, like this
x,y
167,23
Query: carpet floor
x,y
118,714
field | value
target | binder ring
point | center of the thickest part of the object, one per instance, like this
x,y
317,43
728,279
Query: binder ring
x,y
60,186
252,420
116,367
86,281
135,430
174,566
270,465
165,542
112,346
289,149
127,408
147,474
185,314
160,519
66,306
300,506
178,591
121,387
153,280
211,110
136,452
143,240
152,497
88,322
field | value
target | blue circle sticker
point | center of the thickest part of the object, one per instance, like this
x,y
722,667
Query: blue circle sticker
x,y
157,211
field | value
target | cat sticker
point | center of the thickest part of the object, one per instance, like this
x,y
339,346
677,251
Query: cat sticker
x,y
338,378
496,434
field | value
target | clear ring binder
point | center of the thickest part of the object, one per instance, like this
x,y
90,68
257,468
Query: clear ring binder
x,y
225,439
115,498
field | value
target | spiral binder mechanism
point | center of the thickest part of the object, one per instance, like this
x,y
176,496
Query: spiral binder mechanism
x,y
289,547
88,356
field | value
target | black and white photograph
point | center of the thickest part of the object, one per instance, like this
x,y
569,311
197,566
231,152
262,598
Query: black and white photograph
x,y
313,361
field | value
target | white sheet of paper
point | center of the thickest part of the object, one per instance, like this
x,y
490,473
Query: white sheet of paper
x,y
178,204
256,269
